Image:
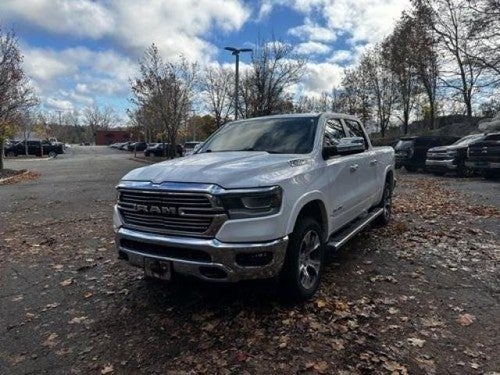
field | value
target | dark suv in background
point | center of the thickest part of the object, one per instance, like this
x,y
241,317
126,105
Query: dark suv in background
x,y
484,155
49,149
411,152
443,159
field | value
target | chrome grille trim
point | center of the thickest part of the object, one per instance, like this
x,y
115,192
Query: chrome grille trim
x,y
187,213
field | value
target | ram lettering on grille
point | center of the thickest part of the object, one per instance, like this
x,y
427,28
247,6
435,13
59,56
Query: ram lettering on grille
x,y
171,212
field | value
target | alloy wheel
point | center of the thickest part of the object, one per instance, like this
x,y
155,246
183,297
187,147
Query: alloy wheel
x,y
310,259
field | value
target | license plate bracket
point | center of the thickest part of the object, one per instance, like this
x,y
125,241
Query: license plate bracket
x,y
159,269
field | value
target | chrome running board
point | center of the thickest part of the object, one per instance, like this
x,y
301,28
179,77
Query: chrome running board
x,y
340,238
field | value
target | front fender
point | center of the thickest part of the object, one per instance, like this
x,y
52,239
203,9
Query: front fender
x,y
301,202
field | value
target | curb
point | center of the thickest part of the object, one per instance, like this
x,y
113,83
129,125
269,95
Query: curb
x,y
6,179
28,159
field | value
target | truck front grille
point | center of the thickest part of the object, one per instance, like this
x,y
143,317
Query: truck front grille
x,y
190,214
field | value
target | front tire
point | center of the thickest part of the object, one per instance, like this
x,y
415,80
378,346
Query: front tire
x,y
52,154
303,267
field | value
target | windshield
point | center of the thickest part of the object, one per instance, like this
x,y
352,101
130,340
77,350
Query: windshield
x,y
292,135
404,144
466,140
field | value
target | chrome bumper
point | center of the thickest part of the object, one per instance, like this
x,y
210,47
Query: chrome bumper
x,y
442,164
219,256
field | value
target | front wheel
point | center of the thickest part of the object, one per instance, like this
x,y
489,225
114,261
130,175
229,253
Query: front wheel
x,y
52,154
301,273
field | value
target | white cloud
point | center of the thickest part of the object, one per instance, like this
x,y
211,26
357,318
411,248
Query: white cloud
x,y
77,76
364,20
76,17
314,32
341,56
321,77
176,26
312,48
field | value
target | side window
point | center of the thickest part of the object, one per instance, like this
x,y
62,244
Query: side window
x,y
354,129
333,132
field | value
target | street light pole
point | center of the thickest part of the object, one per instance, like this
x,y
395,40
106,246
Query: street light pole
x,y
236,52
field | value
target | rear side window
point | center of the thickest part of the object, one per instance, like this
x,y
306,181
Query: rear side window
x,y
334,131
354,129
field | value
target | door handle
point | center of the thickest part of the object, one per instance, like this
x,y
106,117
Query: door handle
x,y
373,162
353,168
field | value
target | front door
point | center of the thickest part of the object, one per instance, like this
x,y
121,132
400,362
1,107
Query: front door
x,y
343,182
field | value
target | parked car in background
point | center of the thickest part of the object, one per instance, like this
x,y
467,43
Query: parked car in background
x,y
451,158
162,149
34,148
140,146
484,155
157,149
411,152
124,146
189,147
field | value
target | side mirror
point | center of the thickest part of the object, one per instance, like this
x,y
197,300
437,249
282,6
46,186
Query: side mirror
x,y
346,146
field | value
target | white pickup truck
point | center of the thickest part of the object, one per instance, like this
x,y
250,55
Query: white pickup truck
x,y
262,198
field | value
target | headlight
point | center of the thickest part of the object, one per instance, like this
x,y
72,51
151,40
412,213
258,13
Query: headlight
x,y
244,204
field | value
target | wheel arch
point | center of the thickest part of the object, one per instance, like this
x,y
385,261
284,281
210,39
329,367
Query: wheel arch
x,y
311,205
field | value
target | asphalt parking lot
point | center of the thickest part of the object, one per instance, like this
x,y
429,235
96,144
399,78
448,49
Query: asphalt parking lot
x,y
419,296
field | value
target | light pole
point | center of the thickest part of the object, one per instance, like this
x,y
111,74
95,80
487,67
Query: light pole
x,y
236,52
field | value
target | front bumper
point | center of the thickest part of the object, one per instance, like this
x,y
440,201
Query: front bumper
x,y
441,165
207,259
482,165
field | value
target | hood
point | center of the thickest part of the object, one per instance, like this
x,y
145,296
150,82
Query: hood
x,y
226,169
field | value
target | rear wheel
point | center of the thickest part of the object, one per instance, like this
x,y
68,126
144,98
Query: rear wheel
x,y
386,203
10,154
491,174
303,267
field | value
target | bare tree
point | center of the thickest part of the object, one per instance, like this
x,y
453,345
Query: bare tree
x,y
274,69
381,85
397,50
451,21
425,59
485,27
354,98
16,94
218,85
165,89
99,118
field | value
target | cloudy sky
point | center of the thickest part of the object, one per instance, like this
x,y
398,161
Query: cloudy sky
x,y
83,52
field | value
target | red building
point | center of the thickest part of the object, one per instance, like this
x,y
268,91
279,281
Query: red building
x,y
106,137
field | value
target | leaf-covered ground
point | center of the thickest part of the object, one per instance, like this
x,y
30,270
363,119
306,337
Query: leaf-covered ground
x,y
417,297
